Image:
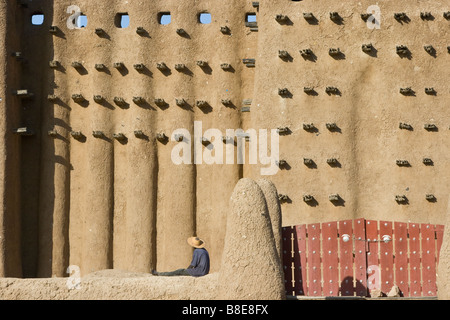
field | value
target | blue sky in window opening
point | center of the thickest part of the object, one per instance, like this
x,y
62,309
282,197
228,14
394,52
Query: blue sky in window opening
x,y
251,17
82,21
166,18
205,18
37,19
125,21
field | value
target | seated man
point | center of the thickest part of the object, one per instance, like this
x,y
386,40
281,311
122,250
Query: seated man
x,y
199,265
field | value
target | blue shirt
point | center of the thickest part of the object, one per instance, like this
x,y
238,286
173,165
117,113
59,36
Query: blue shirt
x,y
200,263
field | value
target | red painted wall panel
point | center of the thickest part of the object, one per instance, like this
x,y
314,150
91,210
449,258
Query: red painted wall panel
x,y
359,229
386,256
373,264
346,258
414,260
439,237
314,260
287,259
401,257
330,259
428,260
300,272
317,262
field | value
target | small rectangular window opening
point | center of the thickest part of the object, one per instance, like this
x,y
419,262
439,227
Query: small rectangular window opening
x,y
37,19
122,20
82,21
204,18
164,18
250,17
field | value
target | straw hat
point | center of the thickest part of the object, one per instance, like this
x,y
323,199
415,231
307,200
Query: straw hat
x,y
196,242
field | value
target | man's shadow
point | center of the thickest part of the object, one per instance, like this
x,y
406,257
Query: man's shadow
x,y
347,288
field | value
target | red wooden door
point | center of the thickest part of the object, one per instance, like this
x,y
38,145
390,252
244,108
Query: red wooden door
x,y
353,257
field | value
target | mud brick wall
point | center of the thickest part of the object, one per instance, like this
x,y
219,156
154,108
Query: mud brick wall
x,y
99,201
367,109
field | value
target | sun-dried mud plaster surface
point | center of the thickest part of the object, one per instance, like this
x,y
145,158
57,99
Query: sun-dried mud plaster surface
x,y
98,202
102,203
367,110
251,268
250,252
111,285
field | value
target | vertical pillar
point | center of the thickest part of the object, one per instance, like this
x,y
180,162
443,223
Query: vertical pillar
x,y
136,165
215,182
97,241
76,83
250,254
10,254
54,203
176,183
